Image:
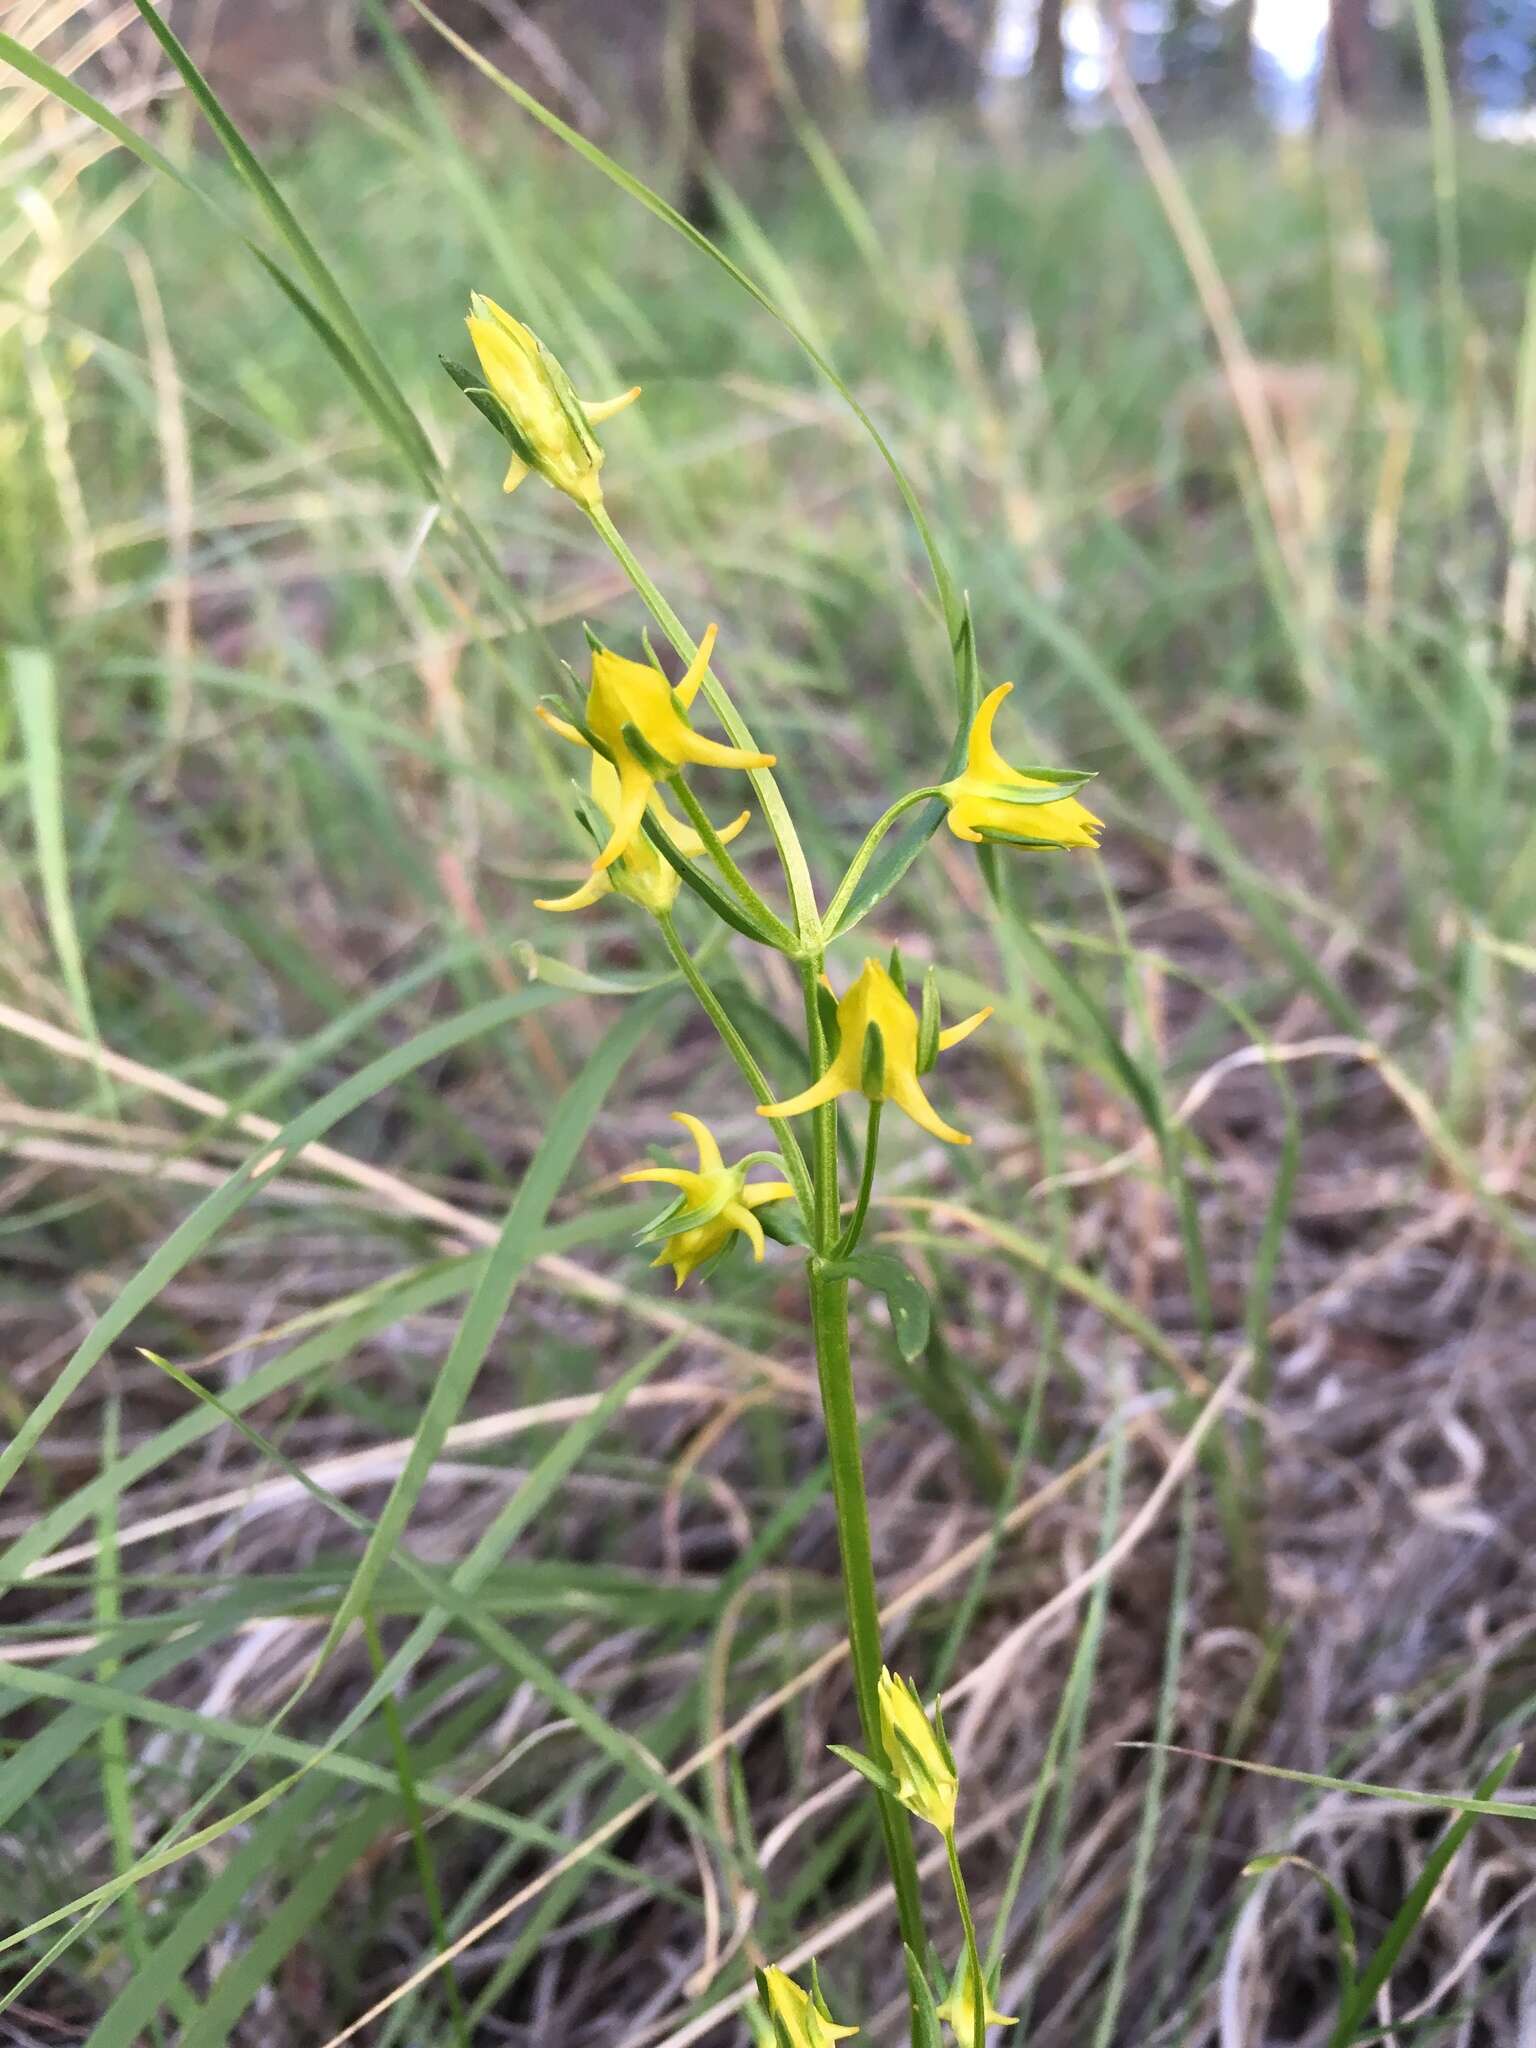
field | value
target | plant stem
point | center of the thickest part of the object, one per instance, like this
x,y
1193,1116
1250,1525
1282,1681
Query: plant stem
x,y
823,1119
734,879
752,1073
855,1230
829,1320
972,1951
797,874
866,853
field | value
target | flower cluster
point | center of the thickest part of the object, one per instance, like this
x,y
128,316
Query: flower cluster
x,y
872,1041
713,1203
533,404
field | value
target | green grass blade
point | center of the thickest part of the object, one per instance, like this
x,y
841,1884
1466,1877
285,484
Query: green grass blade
x,y
359,1317
1475,1803
337,308
1358,2004
91,1703
355,353
493,1294
1151,1808
34,689
949,597
210,1217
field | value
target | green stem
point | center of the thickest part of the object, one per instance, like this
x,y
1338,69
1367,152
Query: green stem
x,y
972,1951
829,1320
797,874
734,879
866,853
752,1073
823,1119
855,1230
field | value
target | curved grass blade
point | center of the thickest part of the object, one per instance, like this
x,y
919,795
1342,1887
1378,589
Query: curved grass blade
x,y
909,838
404,432
1361,1998
376,1308
91,1702
493,1294
1478,1804
652,201
210,1216
310,262
34,689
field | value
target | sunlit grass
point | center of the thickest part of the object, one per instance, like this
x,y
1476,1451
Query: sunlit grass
x,y
1254,1064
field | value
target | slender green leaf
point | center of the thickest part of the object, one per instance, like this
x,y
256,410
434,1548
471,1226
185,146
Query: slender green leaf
x,y
212,1215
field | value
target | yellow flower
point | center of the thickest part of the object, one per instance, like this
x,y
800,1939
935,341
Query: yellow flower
x,y
993,801
885,1068
713,1203
642,873
917,1753
552,429
637,717
799,2020
959,2009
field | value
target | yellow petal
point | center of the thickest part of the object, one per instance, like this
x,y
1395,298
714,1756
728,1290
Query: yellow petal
x,y
956,1032
698,668
981,755
826,1089
704,1138
740,1217
517,469
905,1091
559,725
635,788
595,886
766,1191
605,408
669,1176
693,746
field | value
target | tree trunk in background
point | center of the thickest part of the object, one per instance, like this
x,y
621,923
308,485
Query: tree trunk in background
x,y
1347,68
1050,52
926,52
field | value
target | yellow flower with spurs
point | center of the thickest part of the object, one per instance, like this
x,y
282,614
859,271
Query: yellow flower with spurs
x,y
533,403
1017,806
637,720
642,872
882,1048
714,1202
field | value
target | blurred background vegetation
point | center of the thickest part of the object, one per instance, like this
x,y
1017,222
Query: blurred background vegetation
x,y
1216,371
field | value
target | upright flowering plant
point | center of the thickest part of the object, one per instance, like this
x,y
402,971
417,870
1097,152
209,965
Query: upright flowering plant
x,y
641,732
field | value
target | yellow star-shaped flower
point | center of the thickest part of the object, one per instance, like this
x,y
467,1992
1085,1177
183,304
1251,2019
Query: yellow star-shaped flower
x,y
641,873
714,1203
799,2021
551,427
920,1762
992,800
874,1004
638,718
959,2009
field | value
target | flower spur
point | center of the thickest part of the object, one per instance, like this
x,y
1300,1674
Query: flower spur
x,y
714,1202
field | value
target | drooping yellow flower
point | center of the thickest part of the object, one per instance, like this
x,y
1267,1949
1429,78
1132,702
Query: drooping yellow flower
x,y
799,2020
887,1069
991,800
959,2009
551,427
634,712
714,1202
642,873
917,1753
